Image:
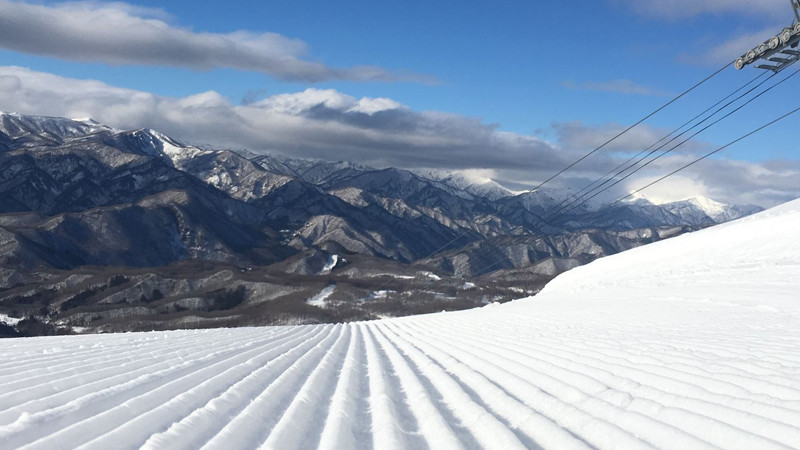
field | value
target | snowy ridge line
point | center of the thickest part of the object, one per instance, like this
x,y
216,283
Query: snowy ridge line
x,y
484,427
207,419
569,357
597,360
649,402
251,427
346,412
431,423
73,375
61,386
591,363
522,420
191,399
96,412
488,388
382,404
557,395
308,405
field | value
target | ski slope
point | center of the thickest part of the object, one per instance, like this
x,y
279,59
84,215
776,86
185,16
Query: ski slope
x,y
693,342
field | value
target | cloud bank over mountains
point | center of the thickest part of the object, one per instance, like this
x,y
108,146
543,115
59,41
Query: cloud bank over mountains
x,y
122,34
328,124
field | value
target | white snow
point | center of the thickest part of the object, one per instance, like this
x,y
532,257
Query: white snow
x,y
176,152
392,275
432,276
8,320
687,343
320,300
711,207
333,260
381,294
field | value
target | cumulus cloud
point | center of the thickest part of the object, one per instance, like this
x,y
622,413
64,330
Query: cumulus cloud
x,y
619,86
328,124
579,136
313,123
118,33
736,182
677,9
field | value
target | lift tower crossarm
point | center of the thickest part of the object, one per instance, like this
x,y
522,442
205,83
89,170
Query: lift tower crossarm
x,y
777,48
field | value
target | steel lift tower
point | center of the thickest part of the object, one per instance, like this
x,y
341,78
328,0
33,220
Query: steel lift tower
x,y
778,51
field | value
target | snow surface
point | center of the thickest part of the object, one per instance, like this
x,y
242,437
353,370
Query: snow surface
x,y
321,299
8,320
692,342
333,260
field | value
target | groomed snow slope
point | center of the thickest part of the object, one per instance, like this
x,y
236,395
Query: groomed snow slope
x,y
688,343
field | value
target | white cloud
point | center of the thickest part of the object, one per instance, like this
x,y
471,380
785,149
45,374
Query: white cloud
x,y
581,137
118,33
312,123
677,187
328,124
738,182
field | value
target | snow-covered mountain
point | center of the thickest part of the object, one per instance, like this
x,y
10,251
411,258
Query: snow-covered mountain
x,y
75,193
479,186
686,343
690,209
19,130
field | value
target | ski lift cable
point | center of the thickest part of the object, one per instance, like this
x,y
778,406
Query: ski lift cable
x,y
684,93
589,188
768,124
487,269
550,220
680,144
546,221
796,6
659,109
630,163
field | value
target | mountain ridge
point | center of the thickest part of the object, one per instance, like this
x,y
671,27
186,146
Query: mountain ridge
x,y
77,194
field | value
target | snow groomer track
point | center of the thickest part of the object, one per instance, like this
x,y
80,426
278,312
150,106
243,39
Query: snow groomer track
x,y
688,343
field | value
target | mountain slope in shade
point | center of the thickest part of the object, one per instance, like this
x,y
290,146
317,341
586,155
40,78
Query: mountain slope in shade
x,y
153,231
685,343
76,193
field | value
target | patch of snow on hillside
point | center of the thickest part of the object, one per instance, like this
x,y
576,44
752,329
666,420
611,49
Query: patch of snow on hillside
x,y
710,207
175,151
333,260
321,299
8,320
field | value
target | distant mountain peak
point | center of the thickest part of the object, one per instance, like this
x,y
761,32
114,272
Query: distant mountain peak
x,y
46,130
86,120
706,204
468,181
638,199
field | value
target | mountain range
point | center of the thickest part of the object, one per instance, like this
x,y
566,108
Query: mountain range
x,y
83,201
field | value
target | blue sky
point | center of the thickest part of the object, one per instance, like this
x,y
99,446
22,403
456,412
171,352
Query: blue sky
x,y
511,90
